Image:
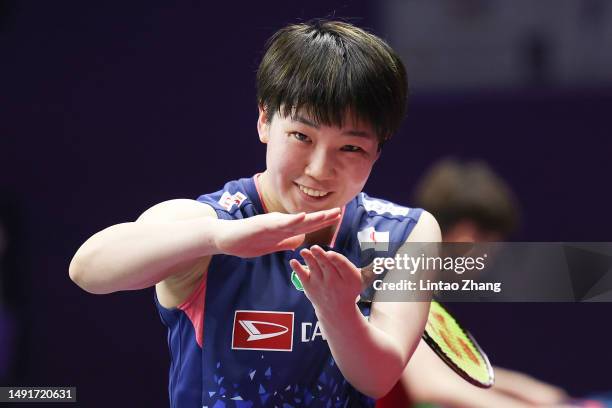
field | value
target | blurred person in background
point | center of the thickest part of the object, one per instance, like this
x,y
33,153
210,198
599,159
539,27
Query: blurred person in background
x,y
471,204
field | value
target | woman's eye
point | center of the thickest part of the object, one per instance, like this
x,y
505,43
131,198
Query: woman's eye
x,y
351,148
300,136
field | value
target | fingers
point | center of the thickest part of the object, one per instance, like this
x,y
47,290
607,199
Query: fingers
x,y
316,273
302,273
304,223
328,269
290,225
290,243
324,214
341,263
320,264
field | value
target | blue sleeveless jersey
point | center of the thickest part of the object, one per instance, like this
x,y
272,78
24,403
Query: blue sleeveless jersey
x,y
248,336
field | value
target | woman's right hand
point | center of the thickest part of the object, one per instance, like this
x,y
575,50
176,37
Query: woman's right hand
x,y
272,232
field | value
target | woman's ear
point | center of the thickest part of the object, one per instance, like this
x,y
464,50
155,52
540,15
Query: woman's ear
x,y
263,127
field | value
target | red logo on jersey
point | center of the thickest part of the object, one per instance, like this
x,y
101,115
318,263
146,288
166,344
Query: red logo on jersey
x,y
262,330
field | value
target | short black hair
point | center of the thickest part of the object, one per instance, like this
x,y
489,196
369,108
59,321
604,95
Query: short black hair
x,y
330,68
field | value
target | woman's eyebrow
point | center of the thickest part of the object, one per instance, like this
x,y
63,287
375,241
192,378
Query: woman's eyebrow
x,y
350,132
305,121
359,133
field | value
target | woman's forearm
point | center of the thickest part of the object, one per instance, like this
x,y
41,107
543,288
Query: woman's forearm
x,y
135,255
369,358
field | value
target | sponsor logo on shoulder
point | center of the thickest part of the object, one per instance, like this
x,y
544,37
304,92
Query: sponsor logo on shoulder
x,y
384,207
369,238
262,330
228,200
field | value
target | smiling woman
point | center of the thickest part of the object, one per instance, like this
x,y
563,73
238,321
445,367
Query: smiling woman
x,y
225,265
309,166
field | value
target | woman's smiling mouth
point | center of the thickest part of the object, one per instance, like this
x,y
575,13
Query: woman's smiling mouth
x,y
312,193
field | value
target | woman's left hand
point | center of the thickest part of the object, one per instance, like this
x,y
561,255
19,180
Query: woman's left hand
x,y
331,282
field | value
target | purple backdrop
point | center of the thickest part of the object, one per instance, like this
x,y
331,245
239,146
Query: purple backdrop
x,y
109,109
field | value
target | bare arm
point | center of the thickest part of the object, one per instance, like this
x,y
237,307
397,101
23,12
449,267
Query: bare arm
x,y
174,237
428,379
371,355
169,236
527,388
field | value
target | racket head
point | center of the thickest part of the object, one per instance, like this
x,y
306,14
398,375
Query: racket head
x,y
457,348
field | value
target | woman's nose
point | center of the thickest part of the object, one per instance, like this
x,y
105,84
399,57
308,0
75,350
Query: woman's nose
x,y
320,165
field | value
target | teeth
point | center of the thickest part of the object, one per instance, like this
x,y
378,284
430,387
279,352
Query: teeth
x,y
311,192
